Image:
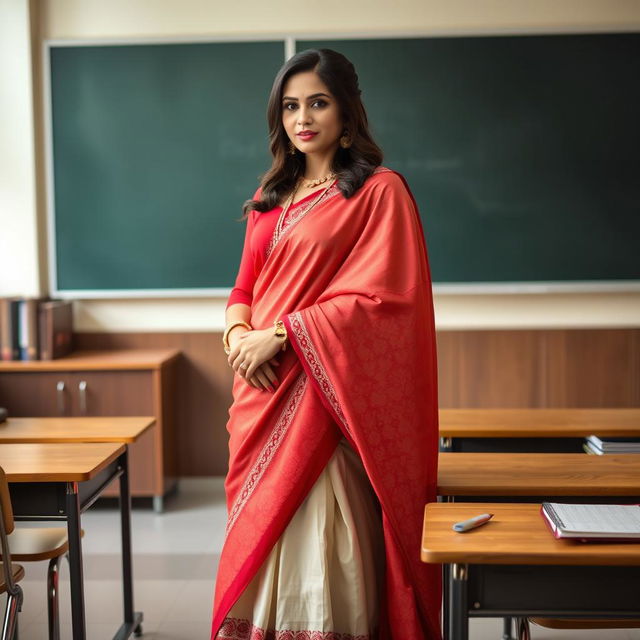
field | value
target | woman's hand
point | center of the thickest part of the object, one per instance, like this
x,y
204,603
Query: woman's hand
x,y
252,356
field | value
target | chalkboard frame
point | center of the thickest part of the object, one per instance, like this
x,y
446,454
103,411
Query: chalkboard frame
x,y
289,47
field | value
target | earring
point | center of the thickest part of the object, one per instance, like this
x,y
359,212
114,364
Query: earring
x,y
345,140
292,148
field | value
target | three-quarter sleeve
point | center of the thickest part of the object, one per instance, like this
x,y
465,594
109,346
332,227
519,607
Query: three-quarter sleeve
x,y
246,278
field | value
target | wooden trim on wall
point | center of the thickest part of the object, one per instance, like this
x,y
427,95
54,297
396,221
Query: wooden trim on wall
x,y
501,368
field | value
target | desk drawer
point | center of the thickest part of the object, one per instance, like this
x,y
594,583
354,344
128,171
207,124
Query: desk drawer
x,y
551,590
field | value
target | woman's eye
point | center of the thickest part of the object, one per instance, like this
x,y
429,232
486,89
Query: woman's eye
x,y
320,103
289,105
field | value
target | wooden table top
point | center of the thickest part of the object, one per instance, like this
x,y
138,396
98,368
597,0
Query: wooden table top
x,y
75,462
539,423
538,474
83,429
517,534
98,360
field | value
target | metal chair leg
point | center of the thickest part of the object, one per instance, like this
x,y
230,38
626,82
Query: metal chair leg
x,y
53,608
10,622
523,632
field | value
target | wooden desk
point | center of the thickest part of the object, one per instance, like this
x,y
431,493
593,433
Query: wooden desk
x,y
53,462
55,481
538,423
40,430
513,566
532,429
506,476
538,474
114,382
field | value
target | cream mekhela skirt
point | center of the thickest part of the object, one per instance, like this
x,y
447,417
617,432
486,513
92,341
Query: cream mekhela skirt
x,y
324,576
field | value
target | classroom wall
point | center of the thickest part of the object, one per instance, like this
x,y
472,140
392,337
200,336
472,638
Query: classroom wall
x,y
24,25
120,18
19,254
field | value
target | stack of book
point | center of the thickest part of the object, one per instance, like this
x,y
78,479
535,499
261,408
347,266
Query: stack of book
x,y
599,446
35,328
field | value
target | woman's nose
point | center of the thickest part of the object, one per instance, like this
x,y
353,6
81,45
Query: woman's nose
x,y
304,115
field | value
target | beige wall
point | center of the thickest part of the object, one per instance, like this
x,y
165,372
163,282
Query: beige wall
x,y
22,228
127,18
19,263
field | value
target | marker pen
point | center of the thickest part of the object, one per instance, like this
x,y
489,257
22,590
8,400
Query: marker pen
x,y
472,523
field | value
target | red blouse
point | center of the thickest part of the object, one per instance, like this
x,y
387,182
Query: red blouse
x,y
260,228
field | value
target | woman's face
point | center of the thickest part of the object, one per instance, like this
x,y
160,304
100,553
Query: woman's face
x,y
308,106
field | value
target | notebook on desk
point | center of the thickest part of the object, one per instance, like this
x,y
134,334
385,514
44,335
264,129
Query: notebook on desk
x,y
596,522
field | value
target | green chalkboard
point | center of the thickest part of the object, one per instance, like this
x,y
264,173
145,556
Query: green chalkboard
x,y
155,148
522,151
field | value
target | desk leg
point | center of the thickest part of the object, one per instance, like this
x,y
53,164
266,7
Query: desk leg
x,y
125,527
458,611
75,562
446,587
446,578
158,504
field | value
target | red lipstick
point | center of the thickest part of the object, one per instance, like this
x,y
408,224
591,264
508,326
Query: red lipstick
x,y
307,135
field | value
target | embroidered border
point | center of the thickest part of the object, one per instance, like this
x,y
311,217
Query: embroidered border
x,y
240,629
319,372
296,213
299,210
269,450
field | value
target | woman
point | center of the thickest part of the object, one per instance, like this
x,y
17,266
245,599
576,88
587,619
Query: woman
x,y
334,424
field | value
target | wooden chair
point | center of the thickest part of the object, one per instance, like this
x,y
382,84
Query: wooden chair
x,y
11,573
36,544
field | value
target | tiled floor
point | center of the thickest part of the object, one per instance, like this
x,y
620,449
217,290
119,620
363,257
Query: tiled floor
x,y
175,559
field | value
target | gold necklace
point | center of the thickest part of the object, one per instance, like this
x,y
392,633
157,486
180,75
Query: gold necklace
x,y
317,181
283,213
279,230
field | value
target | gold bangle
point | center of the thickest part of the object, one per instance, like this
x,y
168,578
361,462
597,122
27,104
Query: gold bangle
x,y
281,332
225,335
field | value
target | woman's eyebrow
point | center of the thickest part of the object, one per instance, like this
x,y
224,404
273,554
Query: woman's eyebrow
x,y
315,95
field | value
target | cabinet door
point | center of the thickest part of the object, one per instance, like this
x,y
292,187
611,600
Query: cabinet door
x,y
36,394
111,393
122,393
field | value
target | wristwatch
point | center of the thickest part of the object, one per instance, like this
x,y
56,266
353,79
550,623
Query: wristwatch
x,y
281,332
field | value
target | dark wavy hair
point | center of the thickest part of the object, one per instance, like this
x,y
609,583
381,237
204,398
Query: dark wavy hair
x,y
352,166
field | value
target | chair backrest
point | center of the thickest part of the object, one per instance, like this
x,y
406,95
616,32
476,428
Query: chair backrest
x,y
5,503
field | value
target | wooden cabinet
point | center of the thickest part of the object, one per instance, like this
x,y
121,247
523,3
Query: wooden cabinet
x,y
131,382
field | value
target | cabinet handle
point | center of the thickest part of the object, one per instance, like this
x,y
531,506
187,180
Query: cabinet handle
x,y
60,394
82,389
